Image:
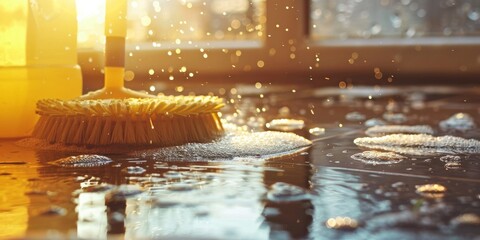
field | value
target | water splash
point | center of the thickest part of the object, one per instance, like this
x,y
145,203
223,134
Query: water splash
x,y
83,161
420,144
459,122
391,129
376,157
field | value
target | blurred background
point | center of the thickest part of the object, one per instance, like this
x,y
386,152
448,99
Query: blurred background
x,y
321,42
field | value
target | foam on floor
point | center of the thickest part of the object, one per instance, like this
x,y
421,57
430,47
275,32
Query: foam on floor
x,y
391,129
262,145
236,144
420,144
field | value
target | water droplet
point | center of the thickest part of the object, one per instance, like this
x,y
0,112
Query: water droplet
x,y
134,170
459,122
396,21
376,29
316,131
374,122
431,190
474,15
285,124
355,116
411,32
452,165
450,158
83,161
376,157
342,223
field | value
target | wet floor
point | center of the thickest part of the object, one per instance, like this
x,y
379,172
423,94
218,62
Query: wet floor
x,y
322,192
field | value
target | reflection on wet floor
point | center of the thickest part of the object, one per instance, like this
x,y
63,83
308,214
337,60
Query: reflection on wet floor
x,y
332,190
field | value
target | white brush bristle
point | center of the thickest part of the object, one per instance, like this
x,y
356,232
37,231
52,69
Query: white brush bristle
x,y
162,121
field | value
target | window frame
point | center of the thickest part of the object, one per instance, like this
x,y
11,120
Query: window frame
x,y
429,60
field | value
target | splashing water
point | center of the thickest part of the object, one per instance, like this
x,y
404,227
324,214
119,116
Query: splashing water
x,y
420,144
459,121
258,145
83,161
376,157
391,129
285,124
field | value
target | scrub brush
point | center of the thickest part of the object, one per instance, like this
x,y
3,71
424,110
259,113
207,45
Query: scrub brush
x,y
115,115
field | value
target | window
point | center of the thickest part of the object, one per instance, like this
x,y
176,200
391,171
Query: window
x,y
321,41
348,19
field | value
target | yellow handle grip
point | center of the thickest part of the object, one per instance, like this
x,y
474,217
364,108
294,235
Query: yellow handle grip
x,y
116,18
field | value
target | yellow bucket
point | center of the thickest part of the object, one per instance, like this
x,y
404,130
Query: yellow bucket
x,y
38,59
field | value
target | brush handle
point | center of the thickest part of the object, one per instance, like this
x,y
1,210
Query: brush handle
x,y
115,32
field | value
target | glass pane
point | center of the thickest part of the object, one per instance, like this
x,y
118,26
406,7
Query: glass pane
x,y
347,19
177,20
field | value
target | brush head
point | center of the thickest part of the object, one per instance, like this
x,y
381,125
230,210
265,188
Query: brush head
x,y
160,121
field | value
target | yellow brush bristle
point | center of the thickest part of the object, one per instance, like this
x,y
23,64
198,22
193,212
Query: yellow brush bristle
x,y
162,121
